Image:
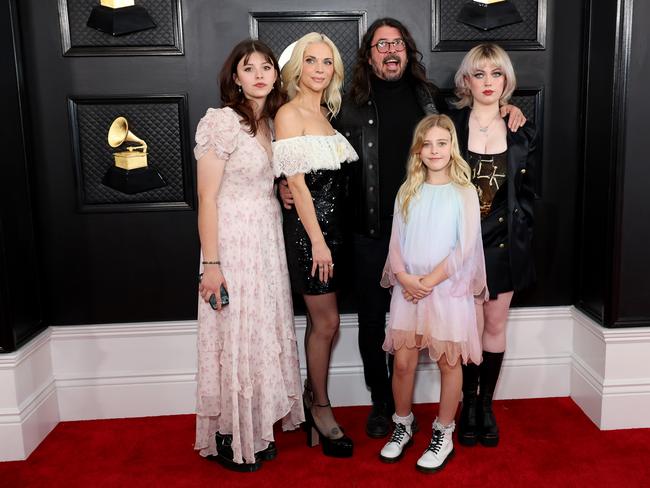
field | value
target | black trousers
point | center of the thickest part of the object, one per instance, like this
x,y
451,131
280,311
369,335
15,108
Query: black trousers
x,y
373,302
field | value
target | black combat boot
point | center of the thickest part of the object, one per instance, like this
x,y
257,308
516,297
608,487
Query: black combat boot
x,y
468,423
489,375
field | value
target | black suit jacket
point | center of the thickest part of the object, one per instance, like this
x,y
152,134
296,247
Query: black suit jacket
x,y
522,163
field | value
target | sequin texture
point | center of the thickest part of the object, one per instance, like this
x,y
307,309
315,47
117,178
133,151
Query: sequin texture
x,y
326,187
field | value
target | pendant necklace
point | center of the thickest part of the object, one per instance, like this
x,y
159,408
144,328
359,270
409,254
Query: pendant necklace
x,y
484,129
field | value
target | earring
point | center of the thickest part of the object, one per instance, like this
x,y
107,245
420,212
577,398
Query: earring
x,y
239,88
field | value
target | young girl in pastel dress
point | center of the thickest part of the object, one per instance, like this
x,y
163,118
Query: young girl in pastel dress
x,y
437,269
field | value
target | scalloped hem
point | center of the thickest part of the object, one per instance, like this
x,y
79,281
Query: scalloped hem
x,y
397,339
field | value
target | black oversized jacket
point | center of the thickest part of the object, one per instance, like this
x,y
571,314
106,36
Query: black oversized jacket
x,y
358,123
522,163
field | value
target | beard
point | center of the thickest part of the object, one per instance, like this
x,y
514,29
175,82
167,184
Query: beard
x,y
389,76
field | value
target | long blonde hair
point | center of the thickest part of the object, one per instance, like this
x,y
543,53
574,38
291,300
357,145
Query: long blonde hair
x,y
474,60
416,171
292,71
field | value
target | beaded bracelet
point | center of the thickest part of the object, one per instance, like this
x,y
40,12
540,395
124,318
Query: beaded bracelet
x,y
211,262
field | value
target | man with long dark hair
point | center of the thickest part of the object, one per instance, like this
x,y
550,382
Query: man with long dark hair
x,y
389,94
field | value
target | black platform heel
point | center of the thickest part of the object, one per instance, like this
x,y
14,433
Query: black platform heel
x,y
341,447
307,397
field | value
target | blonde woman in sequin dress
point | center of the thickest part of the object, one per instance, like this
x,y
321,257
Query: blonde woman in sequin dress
x,y
309,153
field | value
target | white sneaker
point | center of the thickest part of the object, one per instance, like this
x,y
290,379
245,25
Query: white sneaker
x,y
394,449
440,450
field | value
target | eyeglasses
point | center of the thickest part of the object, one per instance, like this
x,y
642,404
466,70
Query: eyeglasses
x,y
384,46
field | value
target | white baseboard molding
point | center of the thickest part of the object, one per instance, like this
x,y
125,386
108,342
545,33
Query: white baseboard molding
x,y
137,370
537,362
28,402
127,396
610,374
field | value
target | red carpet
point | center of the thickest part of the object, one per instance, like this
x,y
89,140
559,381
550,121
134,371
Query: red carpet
x,y
545,442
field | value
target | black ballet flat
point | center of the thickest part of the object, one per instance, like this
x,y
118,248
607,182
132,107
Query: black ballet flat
x,y
341,447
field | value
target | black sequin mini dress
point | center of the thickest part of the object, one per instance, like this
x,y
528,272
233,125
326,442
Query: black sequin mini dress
x,y
319,158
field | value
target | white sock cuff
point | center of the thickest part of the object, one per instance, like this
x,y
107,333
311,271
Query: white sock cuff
x,y
408,420
438,426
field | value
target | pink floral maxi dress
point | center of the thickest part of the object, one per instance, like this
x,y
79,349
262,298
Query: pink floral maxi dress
x,y
248,368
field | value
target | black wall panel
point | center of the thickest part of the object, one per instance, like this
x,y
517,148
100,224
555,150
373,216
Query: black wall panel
x,y
634,292
613,285
141,266
20,291
597,237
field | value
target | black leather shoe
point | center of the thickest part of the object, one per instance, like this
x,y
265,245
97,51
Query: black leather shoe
x,y
341,447
379,421
268,454
490,369
225,456
468,428
488,429
415,427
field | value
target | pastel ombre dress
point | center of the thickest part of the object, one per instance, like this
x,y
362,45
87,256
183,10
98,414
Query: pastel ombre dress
x,y
248,369
443,225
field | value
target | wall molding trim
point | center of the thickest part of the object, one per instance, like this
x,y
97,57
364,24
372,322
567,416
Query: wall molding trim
x,y
147,369
28,398
610,376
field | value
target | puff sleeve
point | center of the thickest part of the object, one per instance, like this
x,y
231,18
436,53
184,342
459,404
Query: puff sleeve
x,y
217,131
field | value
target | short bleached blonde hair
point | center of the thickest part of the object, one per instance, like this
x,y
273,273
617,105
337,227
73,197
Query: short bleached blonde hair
x,y
292,71
474,60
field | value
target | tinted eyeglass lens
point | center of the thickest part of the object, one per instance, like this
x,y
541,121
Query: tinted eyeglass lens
x,y
384,46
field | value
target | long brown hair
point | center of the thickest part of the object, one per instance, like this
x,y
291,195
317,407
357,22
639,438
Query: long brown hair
x,y
360,84
232,97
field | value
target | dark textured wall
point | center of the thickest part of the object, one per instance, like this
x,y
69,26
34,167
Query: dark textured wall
x,y
141,266
613,285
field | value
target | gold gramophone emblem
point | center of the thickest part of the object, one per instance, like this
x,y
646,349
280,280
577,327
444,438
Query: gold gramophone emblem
x,y
130,174
117,3
489,14
119,17
135,156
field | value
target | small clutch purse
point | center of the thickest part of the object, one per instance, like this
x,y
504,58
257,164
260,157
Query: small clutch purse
x,y
225,299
